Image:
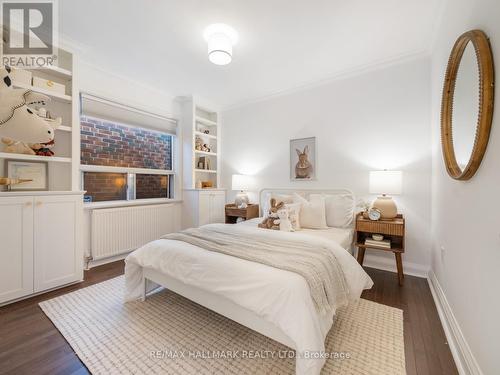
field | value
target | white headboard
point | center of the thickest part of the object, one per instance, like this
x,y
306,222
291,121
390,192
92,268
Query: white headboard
x,y
305,192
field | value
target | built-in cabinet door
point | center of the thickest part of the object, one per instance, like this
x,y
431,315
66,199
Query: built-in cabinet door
x,y
217,207
57,241
16,247
203,208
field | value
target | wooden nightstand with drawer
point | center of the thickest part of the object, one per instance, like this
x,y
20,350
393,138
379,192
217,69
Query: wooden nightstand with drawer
x,y
392,230
233,212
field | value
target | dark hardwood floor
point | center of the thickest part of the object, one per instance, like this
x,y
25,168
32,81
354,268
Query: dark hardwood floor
x,y
30,344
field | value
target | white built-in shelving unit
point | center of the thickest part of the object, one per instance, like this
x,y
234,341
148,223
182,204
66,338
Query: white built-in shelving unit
x,y
63,168
203,123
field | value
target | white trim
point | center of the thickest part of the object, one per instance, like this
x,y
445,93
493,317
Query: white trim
x,y
462,354
347,73
105,168
389,264
30,193
133,202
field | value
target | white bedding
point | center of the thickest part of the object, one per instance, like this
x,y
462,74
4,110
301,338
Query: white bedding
x,y
280,297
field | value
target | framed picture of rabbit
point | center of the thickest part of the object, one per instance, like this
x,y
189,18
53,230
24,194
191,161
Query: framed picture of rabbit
x,y
303,159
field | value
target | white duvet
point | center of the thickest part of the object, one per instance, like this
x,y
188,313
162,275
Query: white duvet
x,y
280,297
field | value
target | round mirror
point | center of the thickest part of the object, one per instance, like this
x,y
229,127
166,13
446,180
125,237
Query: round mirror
x,y
467,106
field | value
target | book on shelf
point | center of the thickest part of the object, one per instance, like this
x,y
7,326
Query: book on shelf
x,y
383,243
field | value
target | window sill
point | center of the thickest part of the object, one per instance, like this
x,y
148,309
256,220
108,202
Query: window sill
x,y
136,202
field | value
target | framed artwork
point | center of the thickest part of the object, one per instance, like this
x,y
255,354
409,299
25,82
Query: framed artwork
x,y
303,159
31,170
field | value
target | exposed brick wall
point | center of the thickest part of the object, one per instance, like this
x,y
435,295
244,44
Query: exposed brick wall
x,y
110,144
105,186
151,186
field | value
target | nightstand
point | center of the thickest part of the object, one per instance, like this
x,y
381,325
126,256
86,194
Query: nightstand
x,y
393,230
233,212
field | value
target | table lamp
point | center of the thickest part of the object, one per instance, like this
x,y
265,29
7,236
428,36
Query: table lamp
x,y
386,182
241,183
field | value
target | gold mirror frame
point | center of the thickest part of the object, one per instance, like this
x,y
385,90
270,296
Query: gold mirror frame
x,y
486,101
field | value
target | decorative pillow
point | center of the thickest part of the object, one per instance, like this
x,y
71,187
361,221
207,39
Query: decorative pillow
x,y
294,214
339,209
312,212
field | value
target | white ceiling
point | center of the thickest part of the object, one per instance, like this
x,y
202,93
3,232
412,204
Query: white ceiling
x,y
283,44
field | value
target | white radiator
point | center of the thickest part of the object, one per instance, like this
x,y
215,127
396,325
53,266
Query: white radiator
x,y
115,231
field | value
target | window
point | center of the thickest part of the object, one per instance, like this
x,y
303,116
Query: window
x,y
122,162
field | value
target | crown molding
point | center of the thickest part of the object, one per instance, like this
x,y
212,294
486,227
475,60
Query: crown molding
x,y
341,75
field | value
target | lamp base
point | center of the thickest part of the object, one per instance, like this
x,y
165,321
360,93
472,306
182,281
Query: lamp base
x,y
387,207
241,200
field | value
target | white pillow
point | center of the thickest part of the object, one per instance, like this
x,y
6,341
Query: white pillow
x,y
294,214
312,212
339,209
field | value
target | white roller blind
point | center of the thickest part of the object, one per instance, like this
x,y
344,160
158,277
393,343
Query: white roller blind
x,y
94,106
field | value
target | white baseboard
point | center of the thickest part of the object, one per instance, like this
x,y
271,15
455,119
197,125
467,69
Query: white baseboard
x,y
389,264
464,359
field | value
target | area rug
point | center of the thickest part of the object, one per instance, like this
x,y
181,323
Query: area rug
x,y
169,334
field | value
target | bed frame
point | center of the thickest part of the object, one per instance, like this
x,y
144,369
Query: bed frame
x,y
220,304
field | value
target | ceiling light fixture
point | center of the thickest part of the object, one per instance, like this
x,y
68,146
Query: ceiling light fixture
x,y
220,39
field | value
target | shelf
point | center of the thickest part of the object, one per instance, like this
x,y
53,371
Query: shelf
x,y
56,71
55,159
205,170
59,97
64,128
395,249
205,153
205,121
205,135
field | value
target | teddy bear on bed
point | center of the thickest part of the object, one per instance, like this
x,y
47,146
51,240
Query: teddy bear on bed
x,y
272,219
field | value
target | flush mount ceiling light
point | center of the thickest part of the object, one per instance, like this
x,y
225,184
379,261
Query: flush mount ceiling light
x,y
220,39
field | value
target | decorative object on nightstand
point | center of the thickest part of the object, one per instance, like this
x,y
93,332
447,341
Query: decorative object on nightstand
x,y
242,183
386,182
233,213
374,214
392,231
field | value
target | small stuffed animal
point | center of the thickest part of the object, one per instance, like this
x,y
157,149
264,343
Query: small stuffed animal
x,y
271,221
198,144
303,169
284,221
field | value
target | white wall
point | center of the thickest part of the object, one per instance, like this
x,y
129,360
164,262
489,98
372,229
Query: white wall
x,y
379,119
126,90
466,219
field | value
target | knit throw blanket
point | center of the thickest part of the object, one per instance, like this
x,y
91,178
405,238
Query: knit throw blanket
x,y
316,264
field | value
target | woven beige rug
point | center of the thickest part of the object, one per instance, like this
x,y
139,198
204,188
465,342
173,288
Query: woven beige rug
x,y
168,334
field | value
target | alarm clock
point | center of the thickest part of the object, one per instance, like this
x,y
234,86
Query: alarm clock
x,y
374,214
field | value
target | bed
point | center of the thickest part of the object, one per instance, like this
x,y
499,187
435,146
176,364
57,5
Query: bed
x,y
274,302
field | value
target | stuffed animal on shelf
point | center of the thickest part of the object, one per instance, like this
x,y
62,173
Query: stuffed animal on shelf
x,y
198,144
20,126
205,148
284,221
272,219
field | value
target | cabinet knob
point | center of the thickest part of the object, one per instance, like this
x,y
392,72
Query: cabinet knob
x,y
38,204
28,204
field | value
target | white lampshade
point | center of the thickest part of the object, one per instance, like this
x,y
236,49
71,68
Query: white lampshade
x,y
386,182
220,39
241,182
